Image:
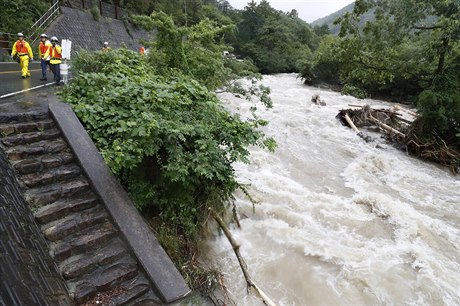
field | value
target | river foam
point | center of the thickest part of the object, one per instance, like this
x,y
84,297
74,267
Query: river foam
x,y
340,221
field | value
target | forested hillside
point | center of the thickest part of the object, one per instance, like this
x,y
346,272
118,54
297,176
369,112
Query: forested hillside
x,y
410,52
328,21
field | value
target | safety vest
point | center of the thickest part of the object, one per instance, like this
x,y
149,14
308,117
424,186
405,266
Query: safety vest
x,y
21,47
55,53
43,48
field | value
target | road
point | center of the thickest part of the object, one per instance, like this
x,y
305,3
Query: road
x,y
11,81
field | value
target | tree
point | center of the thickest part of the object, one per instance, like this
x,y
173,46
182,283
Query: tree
x,y
275,41
19,15
413,54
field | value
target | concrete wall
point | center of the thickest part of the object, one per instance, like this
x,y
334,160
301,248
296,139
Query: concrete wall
x,y
80,27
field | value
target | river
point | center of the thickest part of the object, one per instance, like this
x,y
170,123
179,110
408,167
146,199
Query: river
x,y
339,221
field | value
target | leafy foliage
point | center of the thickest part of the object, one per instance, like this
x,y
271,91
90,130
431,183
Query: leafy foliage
x,y
197,51
19,15
412,56
275,41
168,137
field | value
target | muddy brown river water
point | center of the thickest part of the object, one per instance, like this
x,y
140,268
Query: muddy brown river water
x,y
340,221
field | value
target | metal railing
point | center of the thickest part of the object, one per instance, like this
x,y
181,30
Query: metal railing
x,y
44,21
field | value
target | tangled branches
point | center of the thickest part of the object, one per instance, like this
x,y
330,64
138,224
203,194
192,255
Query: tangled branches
x,y
405,133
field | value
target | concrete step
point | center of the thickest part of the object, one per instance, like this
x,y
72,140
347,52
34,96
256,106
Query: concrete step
x,y
8,129
148,300
132,289
21,152
28,138
74,223
85,241
64,207
80,265
40,196
105,278
55,175
12,118
41,163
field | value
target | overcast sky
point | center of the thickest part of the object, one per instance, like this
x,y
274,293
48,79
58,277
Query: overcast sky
x,y
309,10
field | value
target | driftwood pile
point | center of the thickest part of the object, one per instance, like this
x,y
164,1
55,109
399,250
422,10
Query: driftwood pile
x,y
399,125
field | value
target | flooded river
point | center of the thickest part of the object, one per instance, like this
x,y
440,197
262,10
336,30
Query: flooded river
x,y
340,221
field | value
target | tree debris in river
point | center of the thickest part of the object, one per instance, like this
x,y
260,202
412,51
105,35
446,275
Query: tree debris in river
x,y
399,125
244,268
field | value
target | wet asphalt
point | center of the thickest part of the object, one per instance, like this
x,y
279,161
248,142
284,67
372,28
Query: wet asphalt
x,y
11,81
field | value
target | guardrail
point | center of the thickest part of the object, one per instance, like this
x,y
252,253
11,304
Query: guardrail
x,y
44,21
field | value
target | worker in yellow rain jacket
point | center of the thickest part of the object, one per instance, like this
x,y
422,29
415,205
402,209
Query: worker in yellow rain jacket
x,y
55,54
21,48
42,48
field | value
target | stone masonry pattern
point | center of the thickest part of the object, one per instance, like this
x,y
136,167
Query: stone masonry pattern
x,y
89,251
28,275
85,33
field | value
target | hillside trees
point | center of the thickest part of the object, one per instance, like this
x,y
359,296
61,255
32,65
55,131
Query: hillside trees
x,y
418,50
19,15
410,51
275,41
197,51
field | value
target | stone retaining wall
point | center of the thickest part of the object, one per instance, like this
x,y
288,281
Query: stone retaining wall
x,y
106,9
80,27
28,275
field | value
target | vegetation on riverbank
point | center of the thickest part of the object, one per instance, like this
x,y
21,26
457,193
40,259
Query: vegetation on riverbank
x,y
165,134
413,57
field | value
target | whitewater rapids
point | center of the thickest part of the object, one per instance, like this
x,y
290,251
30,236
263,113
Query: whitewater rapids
x,y
340,221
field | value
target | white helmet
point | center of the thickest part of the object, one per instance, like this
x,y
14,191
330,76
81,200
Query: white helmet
x,y
43,36
54,38
106,43
20,35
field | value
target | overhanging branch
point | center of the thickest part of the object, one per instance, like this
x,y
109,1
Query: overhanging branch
x,y
433,27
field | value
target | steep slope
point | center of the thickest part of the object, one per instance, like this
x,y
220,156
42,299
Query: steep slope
x,y
329,20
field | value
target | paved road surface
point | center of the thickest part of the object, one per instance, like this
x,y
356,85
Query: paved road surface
x,y
11,81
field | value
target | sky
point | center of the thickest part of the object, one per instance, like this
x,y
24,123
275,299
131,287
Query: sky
x,y
309,10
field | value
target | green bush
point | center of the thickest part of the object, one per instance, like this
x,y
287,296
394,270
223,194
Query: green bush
x,y
168,138
354,91
95,12
19,15
439,105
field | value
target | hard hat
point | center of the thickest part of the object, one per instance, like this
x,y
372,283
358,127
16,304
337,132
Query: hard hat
x,y
106,43
20,35
43,36
54,38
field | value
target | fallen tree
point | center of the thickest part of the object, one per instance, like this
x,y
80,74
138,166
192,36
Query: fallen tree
x,y
244,268
400,126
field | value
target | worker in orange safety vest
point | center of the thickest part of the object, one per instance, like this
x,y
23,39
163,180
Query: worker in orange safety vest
x,y
44,45
106,47
21,49
55,54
